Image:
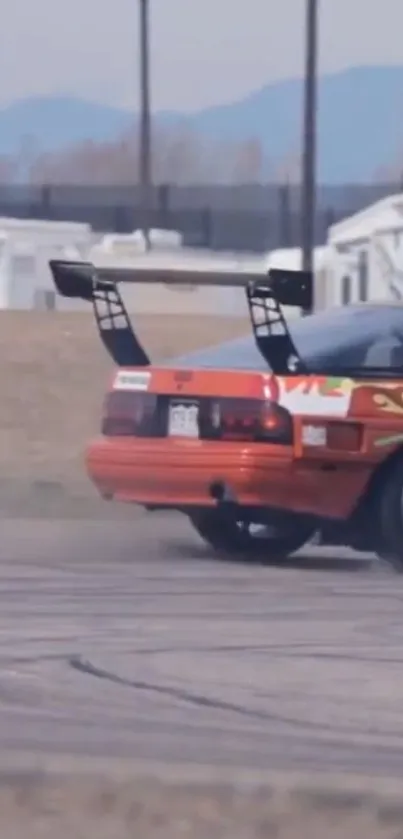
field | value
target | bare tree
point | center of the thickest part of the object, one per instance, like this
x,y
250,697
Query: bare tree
x,y
9,169
248,162
180,156
391,173
88,163
289,168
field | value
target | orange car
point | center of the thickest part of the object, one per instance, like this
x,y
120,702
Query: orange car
x,y
263,442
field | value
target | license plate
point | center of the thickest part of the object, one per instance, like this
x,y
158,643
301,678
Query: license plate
x,y
183,419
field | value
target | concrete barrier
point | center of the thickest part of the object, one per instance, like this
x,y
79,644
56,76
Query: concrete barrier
x,y
119,802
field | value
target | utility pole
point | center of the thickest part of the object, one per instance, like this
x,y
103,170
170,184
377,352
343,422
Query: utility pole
x,y
145,122
308,198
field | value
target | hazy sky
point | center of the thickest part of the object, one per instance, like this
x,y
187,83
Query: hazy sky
x,y
203,51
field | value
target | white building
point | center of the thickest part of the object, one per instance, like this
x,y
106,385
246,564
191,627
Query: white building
x,y
365,255
26,246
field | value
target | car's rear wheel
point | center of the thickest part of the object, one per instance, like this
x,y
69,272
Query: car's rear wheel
x,y
389,517
229,533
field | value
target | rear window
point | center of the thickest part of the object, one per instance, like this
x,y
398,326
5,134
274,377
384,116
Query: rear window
x,y
241,354
357,336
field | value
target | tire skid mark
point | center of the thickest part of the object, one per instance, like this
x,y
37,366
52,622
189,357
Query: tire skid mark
x,y
84,666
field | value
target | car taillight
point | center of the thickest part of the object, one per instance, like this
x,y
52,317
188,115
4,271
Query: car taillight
x,y
127,413
251,419
344,436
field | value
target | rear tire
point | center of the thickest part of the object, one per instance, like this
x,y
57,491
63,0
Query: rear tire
x,y
389,517
227,534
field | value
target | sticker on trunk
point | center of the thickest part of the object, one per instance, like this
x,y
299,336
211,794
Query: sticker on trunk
x,y
314,435
126,380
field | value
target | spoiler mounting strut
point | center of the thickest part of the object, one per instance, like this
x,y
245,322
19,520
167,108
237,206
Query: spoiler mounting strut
x,y
115,328
80,279
270,327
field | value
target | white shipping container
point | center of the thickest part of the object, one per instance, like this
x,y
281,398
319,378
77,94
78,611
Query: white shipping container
x,y
365,259
26,246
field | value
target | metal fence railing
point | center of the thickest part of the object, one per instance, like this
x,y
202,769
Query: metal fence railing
x,y
254,218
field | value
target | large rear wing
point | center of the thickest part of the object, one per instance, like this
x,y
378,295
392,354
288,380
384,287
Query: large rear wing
x,y
266,294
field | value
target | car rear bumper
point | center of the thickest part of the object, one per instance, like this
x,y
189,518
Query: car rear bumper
x,y
180,473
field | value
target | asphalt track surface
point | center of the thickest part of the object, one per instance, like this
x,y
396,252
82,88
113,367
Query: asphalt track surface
x,y
126,639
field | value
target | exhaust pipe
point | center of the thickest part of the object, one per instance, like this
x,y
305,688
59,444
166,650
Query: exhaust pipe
x,y
222,493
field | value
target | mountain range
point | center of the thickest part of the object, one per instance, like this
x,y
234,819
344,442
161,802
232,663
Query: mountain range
x,y
360,121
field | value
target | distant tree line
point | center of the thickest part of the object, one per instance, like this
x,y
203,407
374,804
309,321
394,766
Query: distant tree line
x,y
180,156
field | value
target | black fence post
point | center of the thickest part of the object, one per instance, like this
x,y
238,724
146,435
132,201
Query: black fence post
x,y
207,227
284,211
45,202
163,204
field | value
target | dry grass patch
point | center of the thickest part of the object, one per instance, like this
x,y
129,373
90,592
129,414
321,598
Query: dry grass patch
x,y
53,376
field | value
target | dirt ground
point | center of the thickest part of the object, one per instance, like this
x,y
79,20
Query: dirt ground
x,y
42,808
53,376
